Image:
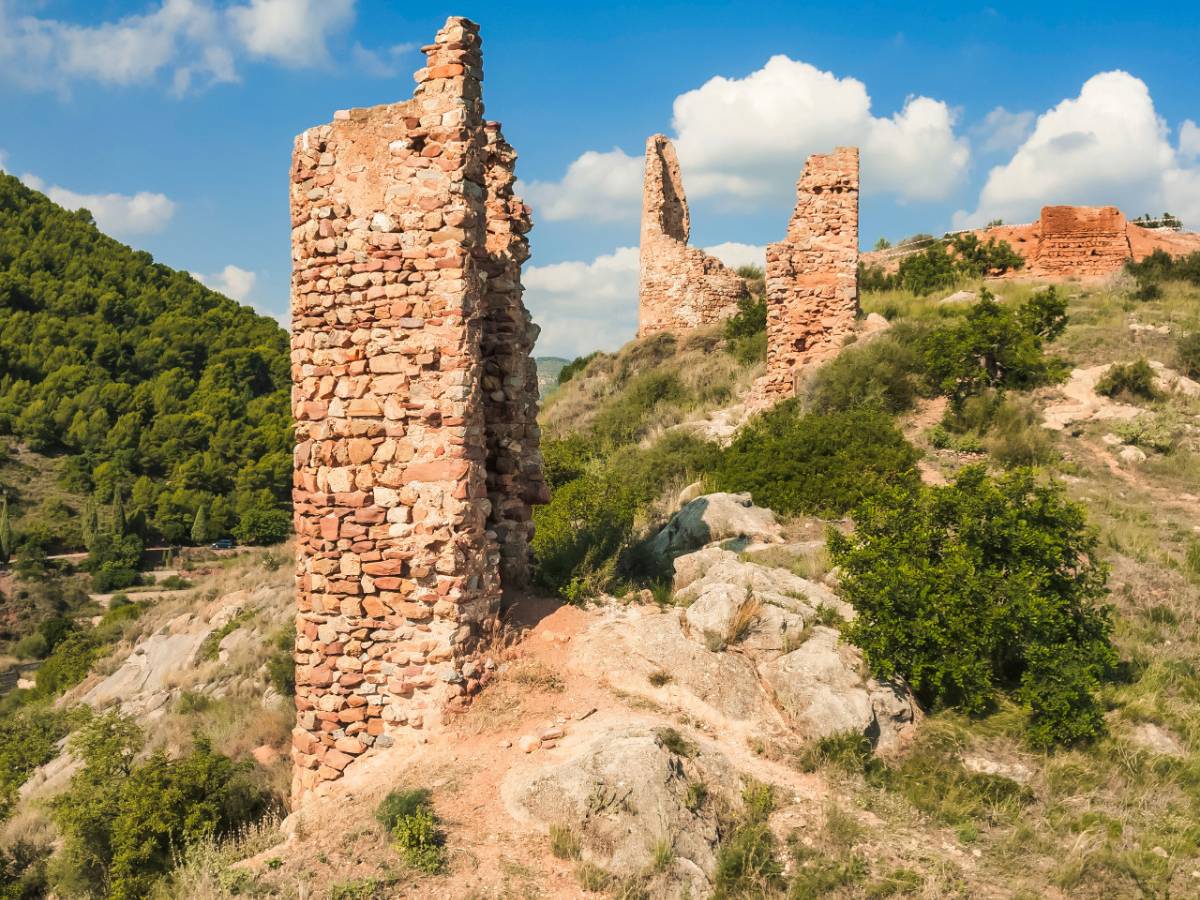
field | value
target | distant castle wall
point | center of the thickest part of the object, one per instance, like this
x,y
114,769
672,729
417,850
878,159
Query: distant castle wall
x,y
812,275
1082,241
417,452
680,287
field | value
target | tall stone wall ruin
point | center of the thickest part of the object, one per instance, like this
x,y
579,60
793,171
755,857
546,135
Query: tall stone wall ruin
x,y
414,397
812,275
680,287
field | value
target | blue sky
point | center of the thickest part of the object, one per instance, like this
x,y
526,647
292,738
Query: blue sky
x,y
173,119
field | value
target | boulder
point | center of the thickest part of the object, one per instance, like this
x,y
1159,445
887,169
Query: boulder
x,y
958,297
1131,456
819,687
712,518
625,792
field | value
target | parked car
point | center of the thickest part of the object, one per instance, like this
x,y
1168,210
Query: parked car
x,y
223,544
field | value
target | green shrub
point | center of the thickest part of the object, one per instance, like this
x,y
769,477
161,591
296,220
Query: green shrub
x,y
263,524
585,537
28,738
122,821
749,320
629,414
746,862
874,279
996,347
1187,353
817,463
1016,436
281,664
575,366
886,372
976,587
1134,380
978,259
1161,266
408,817
928,271
68,665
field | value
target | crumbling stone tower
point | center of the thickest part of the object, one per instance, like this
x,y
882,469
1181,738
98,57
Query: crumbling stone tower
x,y
680,287
812,275
414,395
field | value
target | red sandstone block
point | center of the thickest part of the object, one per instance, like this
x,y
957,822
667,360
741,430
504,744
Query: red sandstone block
x,y
352,714
337,760
439,470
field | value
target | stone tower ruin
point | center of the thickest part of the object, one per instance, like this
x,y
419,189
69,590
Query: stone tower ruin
x,y
680,287
1082,241
417,454
812,275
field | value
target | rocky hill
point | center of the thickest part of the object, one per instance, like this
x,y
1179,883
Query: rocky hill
x,y
700,719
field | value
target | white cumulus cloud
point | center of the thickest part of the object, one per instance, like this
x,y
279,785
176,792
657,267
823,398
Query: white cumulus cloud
x,y
746,139
1108,146
120,215
584,306
601,186
185,45
736,255
291,32
231,281
1189,140
1003,130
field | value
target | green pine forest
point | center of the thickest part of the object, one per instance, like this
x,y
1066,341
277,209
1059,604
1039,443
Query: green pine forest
x,y
159,407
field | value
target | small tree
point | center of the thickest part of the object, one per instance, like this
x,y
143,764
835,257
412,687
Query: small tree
x,y
200,528
883,244
6,533
90,524
118,514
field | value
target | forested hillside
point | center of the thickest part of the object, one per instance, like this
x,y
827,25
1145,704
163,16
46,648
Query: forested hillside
x,y
162,401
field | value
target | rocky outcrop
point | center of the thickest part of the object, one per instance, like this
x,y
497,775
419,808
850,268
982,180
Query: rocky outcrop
x,y
1078,401
417,458
812,275
680,287
746,651
715,517
627,792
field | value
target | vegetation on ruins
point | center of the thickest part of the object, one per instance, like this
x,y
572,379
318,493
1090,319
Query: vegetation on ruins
x,y
983,586
941,264
157,392
408,817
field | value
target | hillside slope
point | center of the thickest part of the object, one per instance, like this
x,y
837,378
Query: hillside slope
x,y
138,380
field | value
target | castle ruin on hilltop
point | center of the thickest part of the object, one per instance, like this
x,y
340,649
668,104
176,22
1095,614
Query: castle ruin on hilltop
x,y
679,287
417,454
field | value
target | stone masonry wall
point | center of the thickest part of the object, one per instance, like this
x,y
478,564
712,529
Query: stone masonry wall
x,y
812,275
1082,241
414,399
680,287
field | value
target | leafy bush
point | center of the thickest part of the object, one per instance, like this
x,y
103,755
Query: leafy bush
x,y
1134,380
28,738
817,463
263,524
885,372
121,820
281,664
575,366
1161,266
750,319
408,817
587,530
996,347
979,259
68,665
1016,436
928,271
874,278
630,414
978,587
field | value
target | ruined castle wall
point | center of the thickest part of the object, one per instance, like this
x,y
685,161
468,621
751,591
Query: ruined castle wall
x,y
812,275
1082,241
680,287
416,457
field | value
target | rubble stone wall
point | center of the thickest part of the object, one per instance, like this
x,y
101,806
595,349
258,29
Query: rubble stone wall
x,y
680,287
812,275
414,400
1082,241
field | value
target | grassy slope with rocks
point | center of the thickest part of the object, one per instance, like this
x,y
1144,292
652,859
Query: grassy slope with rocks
x,y
971,808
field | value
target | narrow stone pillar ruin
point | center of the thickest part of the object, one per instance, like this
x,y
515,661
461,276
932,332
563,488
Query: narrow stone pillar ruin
x,y
680,287
812,275
414,396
